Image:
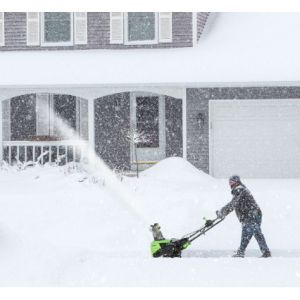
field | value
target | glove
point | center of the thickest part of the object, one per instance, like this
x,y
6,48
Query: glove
x,y
219,215
208,223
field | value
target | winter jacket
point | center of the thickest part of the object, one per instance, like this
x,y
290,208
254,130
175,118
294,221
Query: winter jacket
x,y
243,203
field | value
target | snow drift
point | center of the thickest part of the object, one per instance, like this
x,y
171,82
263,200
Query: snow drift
x,y
64,229
176,169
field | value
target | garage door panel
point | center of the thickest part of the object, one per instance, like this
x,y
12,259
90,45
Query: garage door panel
x,y
243,129
246,147
256,169
256,138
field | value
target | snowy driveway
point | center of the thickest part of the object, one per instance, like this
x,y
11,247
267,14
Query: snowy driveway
x,y
56,231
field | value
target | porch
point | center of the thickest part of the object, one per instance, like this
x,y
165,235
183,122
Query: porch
x,y
25,151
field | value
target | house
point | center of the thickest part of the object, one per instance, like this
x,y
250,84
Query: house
x,y
213,88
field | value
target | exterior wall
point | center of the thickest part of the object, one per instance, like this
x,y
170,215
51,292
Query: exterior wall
x,y
173,127
198,102
110,144
20,116
201,21
98,27
23,117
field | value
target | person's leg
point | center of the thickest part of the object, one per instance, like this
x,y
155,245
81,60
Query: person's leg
x,y
247,233
260,237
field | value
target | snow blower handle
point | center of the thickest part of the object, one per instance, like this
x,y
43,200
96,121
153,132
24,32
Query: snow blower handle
x,y
208,223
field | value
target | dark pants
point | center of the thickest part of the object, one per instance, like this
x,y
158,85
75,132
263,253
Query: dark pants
x,y
250,228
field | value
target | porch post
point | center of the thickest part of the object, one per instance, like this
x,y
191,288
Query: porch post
x,y
184,150
91,120
1,125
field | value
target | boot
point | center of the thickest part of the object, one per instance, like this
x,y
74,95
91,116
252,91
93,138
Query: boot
x,y
238,254
266,255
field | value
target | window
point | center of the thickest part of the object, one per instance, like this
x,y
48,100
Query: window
x,y
70,110
57,29
140,28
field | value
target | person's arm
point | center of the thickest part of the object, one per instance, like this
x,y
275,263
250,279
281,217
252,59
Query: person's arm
x,y
228,208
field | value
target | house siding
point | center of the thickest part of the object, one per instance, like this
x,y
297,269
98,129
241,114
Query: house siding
x,y
110,125
98,31
110,143
23,117
173,111
201,21
198,101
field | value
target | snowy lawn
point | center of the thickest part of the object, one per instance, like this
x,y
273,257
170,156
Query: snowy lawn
x,y
58,231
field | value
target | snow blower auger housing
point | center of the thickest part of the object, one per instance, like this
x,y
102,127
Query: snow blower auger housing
x,y
162,247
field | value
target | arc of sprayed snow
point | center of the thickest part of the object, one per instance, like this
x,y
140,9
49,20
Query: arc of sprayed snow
x,y
116,187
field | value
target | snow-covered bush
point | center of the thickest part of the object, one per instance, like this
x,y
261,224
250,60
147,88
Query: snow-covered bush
x,y
119,172
4,166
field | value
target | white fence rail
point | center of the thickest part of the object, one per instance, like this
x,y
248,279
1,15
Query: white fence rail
x,y
25,151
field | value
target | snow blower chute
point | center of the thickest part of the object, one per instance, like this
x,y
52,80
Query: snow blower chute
x,y
162,247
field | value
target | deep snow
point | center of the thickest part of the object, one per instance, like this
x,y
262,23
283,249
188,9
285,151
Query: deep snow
x,y
57,231
234,48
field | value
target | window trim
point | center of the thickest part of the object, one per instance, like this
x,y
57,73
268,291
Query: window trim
x,y
52,44
147,42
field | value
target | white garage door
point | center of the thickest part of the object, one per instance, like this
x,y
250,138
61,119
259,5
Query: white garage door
x,y
255,138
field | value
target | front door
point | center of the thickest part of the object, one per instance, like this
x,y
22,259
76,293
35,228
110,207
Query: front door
x,y
148,115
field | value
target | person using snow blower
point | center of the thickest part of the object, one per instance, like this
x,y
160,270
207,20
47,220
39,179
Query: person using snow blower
x,y
248,213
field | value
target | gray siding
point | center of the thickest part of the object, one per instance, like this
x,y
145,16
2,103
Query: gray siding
x,y
201,21
110,144
98,25
198,101
23,117
173,127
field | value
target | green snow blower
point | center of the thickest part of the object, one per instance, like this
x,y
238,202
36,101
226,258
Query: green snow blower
x,y
162,247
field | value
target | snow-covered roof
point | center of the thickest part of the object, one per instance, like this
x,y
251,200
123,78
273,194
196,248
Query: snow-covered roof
x,y
235,47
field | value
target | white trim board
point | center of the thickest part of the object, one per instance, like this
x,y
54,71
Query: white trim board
x,y
86,92
184,118
163,84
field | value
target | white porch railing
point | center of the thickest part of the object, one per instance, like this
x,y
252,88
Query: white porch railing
x,y
29,151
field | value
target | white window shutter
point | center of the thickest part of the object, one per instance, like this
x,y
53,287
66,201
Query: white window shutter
x,y
33,29
165,27
42,114
1,28
80,21
116,28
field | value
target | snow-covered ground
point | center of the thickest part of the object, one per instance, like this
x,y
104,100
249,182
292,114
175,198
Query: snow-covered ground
x,y
58,231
